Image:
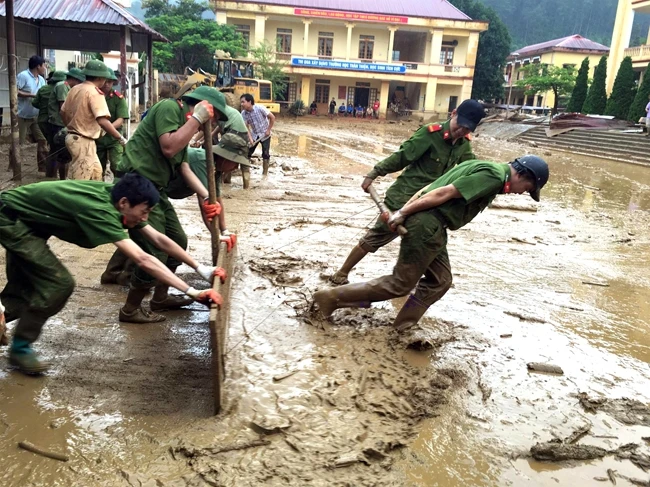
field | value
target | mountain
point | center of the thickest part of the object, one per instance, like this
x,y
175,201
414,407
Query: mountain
x,y
533,21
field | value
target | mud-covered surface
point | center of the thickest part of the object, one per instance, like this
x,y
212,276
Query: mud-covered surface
x,y
343,402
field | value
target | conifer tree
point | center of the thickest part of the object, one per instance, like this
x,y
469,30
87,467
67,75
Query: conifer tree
x,y
623,91
580,89
637,109
596,100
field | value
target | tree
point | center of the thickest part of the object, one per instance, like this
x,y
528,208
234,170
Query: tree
x,y
637,109
493,49
580,89
269,68
192,39
540,78
623,91
596,100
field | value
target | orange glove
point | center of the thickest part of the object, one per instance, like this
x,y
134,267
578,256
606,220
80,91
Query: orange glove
x,y
210,210
230,239
206,296
220,272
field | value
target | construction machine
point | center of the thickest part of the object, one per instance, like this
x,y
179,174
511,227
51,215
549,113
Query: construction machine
x,y
234,77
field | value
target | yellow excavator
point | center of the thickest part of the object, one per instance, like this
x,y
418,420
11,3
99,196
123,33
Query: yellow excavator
x,y
234,77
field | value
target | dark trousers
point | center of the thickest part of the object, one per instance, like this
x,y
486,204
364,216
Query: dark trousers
x,y
266,147
38,284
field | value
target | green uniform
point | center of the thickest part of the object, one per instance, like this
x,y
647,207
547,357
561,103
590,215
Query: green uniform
x,y
234,123
57,96
41,101
423,262
426,156
177,188
144,156
38,284
110,150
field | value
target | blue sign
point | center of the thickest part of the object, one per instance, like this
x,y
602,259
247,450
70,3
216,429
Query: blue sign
x,y
348,65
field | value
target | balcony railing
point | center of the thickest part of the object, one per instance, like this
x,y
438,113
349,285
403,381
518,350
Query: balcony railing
x,y
638,52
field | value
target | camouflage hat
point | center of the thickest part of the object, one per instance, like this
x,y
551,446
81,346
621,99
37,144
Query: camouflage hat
x,y
76,73
213,96
234,148
57,76
112,76
96,68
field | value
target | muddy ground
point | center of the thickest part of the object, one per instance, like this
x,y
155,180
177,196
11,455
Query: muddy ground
x,y
345,403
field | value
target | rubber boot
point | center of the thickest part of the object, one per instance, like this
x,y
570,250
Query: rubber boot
x,y
356,295
41,158
246,176
410,314
340,277
227,177
265,167
25,359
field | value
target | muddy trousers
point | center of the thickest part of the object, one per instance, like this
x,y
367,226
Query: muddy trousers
x,y
110,155
85,163
422,264
164,219
38,284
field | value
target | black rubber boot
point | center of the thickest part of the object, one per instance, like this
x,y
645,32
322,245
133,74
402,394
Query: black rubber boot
x,y
265,167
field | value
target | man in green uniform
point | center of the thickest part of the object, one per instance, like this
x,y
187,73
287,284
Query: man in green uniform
x,y
432,151
450,202
87,214
41,101
59,155
158,151
109,150
231,151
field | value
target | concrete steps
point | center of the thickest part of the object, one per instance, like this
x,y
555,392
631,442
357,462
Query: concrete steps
x,y
632,148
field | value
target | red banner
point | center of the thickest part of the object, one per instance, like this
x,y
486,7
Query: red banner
x,y
331,14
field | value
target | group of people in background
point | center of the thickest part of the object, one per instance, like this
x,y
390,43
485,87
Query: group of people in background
x,y
349,110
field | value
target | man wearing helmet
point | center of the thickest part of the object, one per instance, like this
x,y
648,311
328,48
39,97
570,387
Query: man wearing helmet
x,y
450,202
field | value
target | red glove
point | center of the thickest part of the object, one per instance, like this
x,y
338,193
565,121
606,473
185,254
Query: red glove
x,y
220,272
210,210
205,296
230,240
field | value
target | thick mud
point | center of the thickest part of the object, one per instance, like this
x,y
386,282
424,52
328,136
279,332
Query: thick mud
x,y
343,402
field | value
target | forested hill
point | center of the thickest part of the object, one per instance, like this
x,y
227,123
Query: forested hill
x,y
533,21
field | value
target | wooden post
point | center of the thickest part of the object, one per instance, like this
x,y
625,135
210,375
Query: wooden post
x,y
123,58
14,152
152,97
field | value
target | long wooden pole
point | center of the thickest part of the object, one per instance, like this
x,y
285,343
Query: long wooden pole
x,y
212,188
14,152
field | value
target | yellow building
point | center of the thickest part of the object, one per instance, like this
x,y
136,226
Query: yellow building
x,y
567,51
621,40
418,55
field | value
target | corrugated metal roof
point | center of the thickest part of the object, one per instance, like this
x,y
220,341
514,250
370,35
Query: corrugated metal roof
x,y
435,9
575,43
89,11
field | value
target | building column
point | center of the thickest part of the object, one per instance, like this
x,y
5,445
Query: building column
x,y
436,46
430,100
221,17
306,38
260,26
391,42
349,46
383,98
305,89
472,50
620,40
466,90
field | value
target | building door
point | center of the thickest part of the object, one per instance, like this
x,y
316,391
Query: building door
x,y
362,97
453,103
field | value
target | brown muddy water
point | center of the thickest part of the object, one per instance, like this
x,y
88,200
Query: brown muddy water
x,y
343,403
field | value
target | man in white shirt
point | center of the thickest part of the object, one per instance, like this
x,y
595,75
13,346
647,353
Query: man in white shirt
x,y
259,122
28,83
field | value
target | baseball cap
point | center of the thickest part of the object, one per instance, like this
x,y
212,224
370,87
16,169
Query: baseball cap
x,y
469,114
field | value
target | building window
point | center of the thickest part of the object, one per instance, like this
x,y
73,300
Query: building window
x,y
366,46
283,41
322,92
325,42
351,93
292,90
446,55
374,95
245,32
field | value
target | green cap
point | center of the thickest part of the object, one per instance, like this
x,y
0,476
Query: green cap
x,y
96,68
57,76
234,148
76,73
111,75
212,96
